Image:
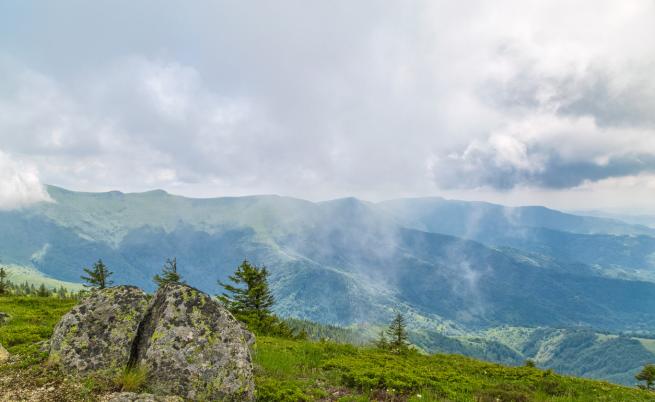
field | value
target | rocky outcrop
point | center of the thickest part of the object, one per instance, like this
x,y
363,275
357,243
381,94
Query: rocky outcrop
x,y
96,335
193,347
189,344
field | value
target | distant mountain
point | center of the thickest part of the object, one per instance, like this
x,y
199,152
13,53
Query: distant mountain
x,y
612,248
454,268
474,220
637,219
342,262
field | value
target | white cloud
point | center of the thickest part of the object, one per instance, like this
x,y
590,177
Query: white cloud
x,y
19,184
331,99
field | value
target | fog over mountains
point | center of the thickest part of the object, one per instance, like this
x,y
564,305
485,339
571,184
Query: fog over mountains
x,y
470,264
454,268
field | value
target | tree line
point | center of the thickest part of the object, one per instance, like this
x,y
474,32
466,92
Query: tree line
x,y
7,287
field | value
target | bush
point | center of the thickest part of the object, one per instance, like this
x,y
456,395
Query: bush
x,y
551,387
280,391
504,393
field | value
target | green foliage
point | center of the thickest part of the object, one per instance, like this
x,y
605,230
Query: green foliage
x,y
647,374
31,321
325,332
4,283
43,291
98,276
255,298
297,370
131,379
452,377
397,332
505,393
251,303
303,370
21,281
169,274
291,370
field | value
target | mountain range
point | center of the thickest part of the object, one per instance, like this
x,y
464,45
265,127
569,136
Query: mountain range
x,y
454,268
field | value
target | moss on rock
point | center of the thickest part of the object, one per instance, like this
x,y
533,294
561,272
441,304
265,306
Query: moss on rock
x,y
97,334
193,347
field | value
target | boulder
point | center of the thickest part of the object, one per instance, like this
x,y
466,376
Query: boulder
x,y
97,334
193,347
247,335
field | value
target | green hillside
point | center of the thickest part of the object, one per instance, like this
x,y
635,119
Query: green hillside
x,y
352,263
22,274
293,371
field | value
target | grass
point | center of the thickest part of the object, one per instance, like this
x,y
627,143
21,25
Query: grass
x,y
132,379
31,321
289,370
302,370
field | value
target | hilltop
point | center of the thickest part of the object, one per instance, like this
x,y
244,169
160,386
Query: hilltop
x,y
293,370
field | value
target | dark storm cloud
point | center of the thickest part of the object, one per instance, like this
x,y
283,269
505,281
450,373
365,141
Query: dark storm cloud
x,y
480,169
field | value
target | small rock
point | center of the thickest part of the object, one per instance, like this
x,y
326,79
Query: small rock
x,y
97,334
133,397
4,317
4,355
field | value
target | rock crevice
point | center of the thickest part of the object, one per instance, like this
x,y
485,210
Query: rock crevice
x,y
189,344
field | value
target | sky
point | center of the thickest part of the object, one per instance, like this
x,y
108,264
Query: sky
x,y
515,102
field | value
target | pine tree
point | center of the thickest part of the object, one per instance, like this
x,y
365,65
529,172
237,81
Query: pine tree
x,y
169,273
43,291
4,283
397,332
62,293
647,374
255,299
252,302
98,276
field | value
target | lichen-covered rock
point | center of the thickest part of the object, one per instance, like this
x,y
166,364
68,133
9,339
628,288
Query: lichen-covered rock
x,y
247,335
97,334
193,347
133,397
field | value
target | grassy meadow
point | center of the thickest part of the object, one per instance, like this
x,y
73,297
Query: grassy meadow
x,y
293,370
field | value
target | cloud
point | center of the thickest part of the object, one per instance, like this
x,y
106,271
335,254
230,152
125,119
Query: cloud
x,y
19,184
329,100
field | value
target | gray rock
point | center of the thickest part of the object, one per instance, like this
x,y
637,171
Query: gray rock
x,y
133,397
193,347
247,335
4,317
97,334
